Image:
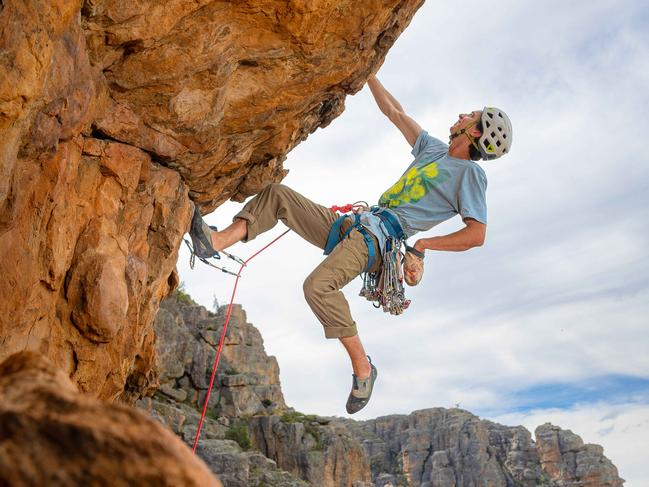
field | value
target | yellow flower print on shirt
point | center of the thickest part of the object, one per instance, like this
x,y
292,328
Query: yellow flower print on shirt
x,y
413,185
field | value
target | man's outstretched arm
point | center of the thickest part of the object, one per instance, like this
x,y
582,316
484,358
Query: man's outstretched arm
x,y
394,111
472,235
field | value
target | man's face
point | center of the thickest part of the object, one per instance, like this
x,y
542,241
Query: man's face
x,y
466,120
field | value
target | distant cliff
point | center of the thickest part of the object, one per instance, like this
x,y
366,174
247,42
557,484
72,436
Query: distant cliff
x,y
251,438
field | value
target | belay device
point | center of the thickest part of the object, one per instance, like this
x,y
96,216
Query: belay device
x,y
385,286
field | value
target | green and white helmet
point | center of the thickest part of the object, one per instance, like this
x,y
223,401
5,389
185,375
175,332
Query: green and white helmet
x,y
496,138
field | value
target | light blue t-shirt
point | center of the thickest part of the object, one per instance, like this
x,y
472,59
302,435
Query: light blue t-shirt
x,y
434,188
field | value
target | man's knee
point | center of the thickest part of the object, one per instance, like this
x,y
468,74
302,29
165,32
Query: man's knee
x,y
314,289
308,287
277,189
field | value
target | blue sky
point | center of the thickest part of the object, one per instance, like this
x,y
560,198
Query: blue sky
x,y
549,321
615,389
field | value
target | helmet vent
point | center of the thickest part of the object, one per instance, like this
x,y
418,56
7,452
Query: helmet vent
x,y
496,138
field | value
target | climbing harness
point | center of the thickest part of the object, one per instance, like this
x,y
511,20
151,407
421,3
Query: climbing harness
x,y
385,286
243,263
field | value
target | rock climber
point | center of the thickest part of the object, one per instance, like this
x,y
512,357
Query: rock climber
x,y
442,181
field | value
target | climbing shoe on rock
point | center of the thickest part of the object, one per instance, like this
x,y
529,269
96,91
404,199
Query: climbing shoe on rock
x,y
200,232
361,390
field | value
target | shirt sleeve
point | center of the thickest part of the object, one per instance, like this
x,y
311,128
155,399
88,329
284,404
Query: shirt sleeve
x,y
429,144
472,196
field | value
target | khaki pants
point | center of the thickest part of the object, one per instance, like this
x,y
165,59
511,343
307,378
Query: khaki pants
x,y
313,222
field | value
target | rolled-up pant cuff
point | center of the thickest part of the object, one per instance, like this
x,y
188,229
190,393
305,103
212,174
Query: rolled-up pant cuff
x,y
340,331
252,230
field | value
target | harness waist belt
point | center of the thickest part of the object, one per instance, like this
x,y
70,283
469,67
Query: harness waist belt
x,y
390,222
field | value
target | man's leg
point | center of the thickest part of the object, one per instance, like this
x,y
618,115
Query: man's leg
x,y
322,290
357,355
274,203
235,232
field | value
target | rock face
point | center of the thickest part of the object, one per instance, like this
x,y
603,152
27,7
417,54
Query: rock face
x,y
230,87
319,450
246,408
247,381
568,461
247,441
453,448
52,435
113,114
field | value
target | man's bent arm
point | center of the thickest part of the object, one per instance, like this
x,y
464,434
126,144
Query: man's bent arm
x,y
472,235
394,111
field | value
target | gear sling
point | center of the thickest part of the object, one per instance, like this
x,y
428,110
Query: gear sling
x,y
385,286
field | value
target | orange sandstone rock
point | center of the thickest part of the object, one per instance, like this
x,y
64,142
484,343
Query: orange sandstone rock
x,y
52,435
113,114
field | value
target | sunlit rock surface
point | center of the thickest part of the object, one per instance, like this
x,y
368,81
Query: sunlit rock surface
x,y
51,435
113,114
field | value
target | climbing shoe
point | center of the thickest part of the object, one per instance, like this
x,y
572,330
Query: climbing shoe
x,y
361,390
200,232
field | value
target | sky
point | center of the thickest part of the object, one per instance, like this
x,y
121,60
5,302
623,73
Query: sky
x,y
549,320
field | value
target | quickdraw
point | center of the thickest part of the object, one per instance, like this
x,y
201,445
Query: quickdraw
x,y
384,287
192,259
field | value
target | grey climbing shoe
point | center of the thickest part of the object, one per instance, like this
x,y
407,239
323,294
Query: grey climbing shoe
x,y
361,390
200,232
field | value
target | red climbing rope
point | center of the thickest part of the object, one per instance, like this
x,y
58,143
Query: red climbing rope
x,y
225,327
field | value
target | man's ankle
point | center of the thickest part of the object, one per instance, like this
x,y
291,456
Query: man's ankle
x,y
364,371
215,240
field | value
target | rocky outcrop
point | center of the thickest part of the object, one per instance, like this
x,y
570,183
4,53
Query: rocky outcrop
x,y
230,87
246,408
247,382
319,450
224,445
428,448
568,461
113,114
52,435
454,448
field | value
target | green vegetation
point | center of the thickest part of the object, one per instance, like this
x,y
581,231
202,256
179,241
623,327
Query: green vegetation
x,y
266,402
310,425
239,433
230,371
182,296
379,464
297,417
402,481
